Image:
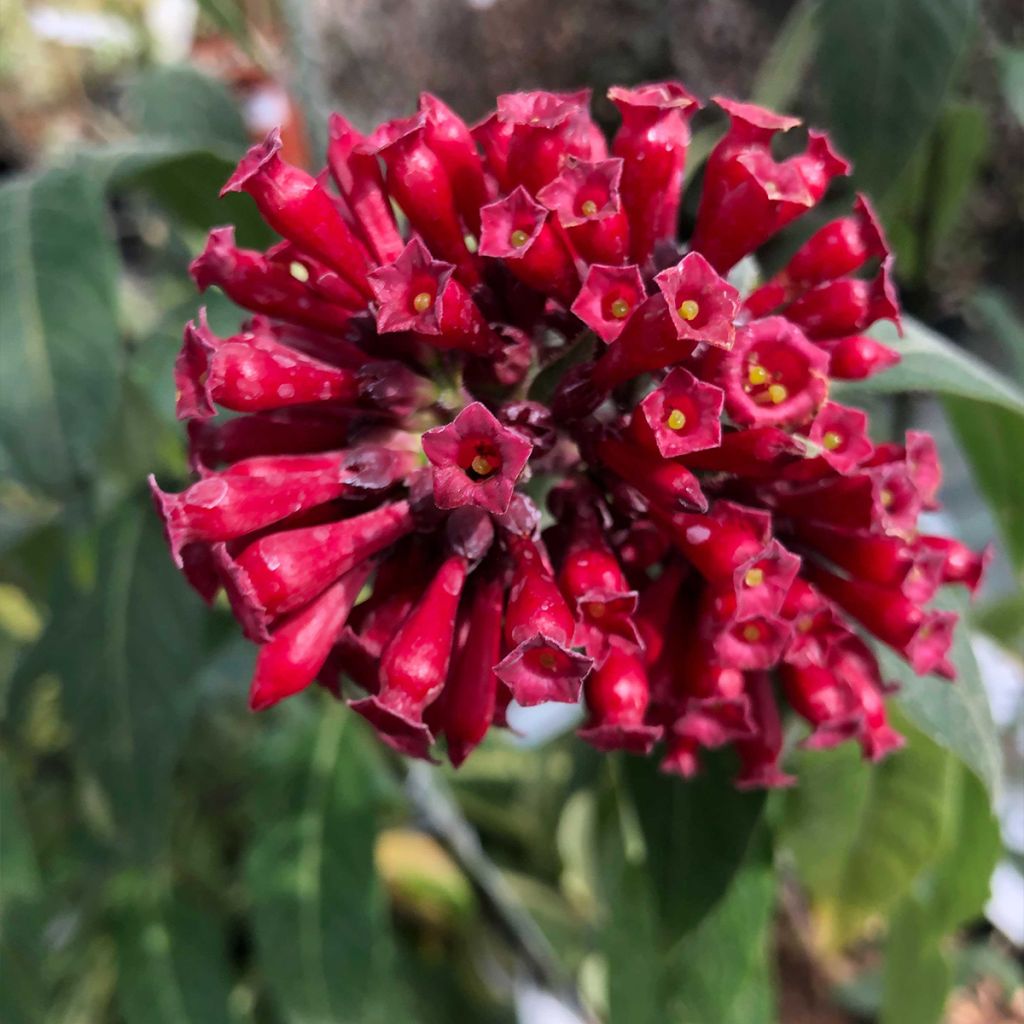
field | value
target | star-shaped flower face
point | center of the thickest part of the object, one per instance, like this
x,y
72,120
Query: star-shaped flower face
x,y
408,291
608,298
476,460
703,306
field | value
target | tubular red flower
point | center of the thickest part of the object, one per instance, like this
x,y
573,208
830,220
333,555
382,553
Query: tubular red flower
x,y
539,625
356,172
841,434
702,305
718,543
749,195
593,581
417,293
669,485
299,646
289,431
617,695
449,138
858,357
470,695
223,506
418,182
476,460
652,143
756,452
759,756
922,638
680,416
520,232
585,198
282,571
650,341
959,563
248,278
846,306
831,708
298,208
773,376
414,664
547,129
247,373
608,298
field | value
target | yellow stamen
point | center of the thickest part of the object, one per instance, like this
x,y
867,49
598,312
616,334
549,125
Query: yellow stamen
x,y
676,419
481,465
518,238
778,393
751,634
831,440
757,374
589,208
805,623
886,497
422,302
299,271
596,609
547,660
754,577
688,309
620,309
471,243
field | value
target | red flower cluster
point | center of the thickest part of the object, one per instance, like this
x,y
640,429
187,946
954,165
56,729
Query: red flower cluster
x,y
719,529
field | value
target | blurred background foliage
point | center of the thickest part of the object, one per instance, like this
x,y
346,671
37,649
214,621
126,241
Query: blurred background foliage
x,y
166,857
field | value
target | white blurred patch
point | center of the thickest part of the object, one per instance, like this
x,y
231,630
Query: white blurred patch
x,y
89,30
1006,907
171,25
532,727
535,1006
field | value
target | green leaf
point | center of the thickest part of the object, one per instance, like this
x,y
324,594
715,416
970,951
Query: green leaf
x,y
631,947
696,833
885,67
172,963
1011,70
322,934
955,715
992,441
917,976
998,317
958,884
190,108
721,971
961,143
125,652
933,364
19,871
59,345
784,69
861,834
24,996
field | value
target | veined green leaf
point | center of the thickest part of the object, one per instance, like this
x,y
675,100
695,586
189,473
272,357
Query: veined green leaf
x,y
885,67
322,931
861,834
955,715
59,345
698,831
933,364
125,652
172,963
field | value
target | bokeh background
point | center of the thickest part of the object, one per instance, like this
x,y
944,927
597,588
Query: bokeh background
x,y
167,857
